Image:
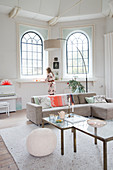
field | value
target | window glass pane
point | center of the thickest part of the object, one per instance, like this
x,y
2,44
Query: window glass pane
x,y
23,47
74,63
85,47
69,63
69,55
39,56
35,55
34,48
24,70
35,70
29,46
35,63
86,61
32,35
71,39
24,63
34,41
80,46
82,37
39,71
80,62
29,41
29,55
75,55
26,36
39,63
75,42
29,63
70,47
85,54
30,71
24,55
69,70
79,55
85,41
74,70
39,42
24,40
39,48
80,70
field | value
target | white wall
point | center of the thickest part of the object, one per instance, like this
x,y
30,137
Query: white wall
x,y
7,48
109,25
8,55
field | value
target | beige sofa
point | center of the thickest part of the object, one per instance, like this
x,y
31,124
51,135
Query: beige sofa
x,y
81,107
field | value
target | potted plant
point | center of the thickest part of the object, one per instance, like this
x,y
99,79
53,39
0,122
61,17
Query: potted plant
x,y
76,86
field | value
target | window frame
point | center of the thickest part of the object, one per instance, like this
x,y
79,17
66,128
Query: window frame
x,y
83,67
31,75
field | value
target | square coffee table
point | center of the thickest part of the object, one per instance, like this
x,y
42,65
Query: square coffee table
x,y
64,126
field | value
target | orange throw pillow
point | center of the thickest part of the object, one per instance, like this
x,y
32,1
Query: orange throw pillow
x,y
56,101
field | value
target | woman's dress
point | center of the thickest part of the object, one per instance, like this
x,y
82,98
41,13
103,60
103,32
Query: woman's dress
x,y
52,86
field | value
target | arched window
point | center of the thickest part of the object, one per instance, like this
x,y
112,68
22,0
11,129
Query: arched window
x,y
74,60
31,54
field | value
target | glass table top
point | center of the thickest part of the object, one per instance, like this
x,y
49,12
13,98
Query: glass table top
x,y
80,123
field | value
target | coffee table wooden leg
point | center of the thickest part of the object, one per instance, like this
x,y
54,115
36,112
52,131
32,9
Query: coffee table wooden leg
x,y
74,138
95,129
104,155
62,142
42,123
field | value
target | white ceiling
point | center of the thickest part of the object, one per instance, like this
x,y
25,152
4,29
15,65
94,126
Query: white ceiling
x,y
47,9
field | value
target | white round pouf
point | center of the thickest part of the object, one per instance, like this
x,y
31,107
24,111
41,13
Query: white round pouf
x,y
41,142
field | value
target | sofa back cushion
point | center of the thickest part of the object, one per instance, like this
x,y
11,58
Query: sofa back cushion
x,y
58,101
83,95
75,99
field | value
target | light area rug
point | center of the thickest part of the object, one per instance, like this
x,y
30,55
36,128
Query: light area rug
x,y
88,155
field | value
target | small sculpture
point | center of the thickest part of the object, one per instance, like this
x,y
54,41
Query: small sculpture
x,y
61,114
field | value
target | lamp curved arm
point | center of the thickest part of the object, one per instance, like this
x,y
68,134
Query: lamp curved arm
x,y
82,59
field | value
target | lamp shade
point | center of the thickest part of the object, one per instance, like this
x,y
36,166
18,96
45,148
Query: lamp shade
x,y
51,44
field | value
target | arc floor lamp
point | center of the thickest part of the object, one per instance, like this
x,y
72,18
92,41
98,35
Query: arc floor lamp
x,y
53,44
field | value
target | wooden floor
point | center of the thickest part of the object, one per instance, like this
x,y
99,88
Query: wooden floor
x,y
15,119
6,160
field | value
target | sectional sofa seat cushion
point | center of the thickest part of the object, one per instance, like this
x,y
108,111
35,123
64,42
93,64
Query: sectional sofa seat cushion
x,y
102,110
83,110
82,96
54,110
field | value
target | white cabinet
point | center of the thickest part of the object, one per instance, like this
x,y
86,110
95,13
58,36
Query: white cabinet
x,y
12,103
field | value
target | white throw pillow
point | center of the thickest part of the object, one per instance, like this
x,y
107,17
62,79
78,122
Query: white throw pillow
x,y
99,99
45,102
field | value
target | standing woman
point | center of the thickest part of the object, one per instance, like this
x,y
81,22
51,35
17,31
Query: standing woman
x,y
51,80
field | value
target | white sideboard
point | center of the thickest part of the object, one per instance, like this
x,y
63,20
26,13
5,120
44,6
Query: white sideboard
x,y
12,103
